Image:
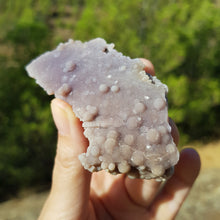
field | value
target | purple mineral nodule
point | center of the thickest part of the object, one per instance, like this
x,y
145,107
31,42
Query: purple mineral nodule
x,y
124,110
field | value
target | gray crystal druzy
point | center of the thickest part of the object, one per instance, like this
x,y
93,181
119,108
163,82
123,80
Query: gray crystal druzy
x,y
123,109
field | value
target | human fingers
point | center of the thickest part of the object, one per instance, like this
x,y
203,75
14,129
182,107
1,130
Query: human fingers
x,y
175,191
69,194
141,191
174,131
149,67
144,191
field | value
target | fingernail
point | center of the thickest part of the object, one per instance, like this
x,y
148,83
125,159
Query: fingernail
x,y
60,116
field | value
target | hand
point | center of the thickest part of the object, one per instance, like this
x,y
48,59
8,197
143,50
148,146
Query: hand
x,y
76,194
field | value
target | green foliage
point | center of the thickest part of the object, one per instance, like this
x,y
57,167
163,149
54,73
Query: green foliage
x,y
27,134
181,38
195,56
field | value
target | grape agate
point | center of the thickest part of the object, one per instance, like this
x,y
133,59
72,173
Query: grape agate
x,y
123,109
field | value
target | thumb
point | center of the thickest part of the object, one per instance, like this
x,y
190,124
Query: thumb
x,y
69,194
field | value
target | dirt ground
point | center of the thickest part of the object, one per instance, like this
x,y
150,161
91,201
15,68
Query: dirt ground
x,y
204,199
203,202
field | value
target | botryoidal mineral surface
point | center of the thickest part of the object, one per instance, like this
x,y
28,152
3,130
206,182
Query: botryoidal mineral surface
x,y
123,109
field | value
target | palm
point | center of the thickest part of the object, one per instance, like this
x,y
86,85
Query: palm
x,y
111,200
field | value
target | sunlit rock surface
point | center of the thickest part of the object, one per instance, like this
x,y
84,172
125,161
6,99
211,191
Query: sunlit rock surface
x,y
123,109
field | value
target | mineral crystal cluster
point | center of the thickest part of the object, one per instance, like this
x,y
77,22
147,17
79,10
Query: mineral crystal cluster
x,y
123,109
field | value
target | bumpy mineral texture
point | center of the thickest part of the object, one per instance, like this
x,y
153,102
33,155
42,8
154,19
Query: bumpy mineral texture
x,y
123,109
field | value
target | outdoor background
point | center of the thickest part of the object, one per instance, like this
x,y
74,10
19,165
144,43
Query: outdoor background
x,y
180,37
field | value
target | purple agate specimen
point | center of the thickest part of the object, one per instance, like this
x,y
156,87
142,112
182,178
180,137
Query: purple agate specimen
x,y
123,109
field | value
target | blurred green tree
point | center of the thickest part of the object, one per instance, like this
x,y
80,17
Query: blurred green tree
x,y
182,40
26,131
